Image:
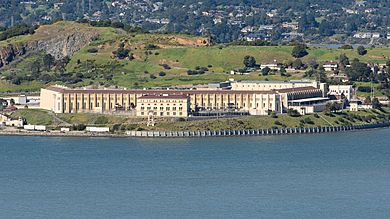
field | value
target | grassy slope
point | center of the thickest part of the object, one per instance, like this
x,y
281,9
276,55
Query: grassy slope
x,y
180,58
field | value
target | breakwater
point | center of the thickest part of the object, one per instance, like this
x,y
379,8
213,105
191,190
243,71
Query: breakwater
x,y
257,132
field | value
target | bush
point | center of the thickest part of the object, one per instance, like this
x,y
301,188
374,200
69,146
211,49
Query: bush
x,y
293,113
92,50
278,123
151,47
165,66
307,120
346,47
79,127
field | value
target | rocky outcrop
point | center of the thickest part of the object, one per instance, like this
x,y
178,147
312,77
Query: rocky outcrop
x,y
54,40
61,46
10,52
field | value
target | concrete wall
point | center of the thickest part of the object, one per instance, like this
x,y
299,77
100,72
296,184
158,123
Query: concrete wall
x,y
257,132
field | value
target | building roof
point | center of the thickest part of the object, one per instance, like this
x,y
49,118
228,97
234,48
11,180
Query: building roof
x,y
164,97
174,92
296,89
309,100
277,82
154,92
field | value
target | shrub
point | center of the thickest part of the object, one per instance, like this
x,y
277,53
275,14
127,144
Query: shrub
x,y
79,127
92,50
278,123
293,113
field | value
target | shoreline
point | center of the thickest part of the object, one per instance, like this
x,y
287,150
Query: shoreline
x,y
199,134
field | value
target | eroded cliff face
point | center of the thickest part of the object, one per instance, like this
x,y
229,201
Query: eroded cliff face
x,y
10,52
57,41
61,46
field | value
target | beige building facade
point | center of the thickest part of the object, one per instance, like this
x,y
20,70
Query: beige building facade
x,y
277,85
257,102
163,106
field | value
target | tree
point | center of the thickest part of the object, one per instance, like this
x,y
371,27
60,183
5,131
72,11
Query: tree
x,y
293,113
249,61
122,53
367,101
35,68
297,64
3,104
265,71
358,71
376,104
299,51
12,102
333,107
361,50
48,61
344,60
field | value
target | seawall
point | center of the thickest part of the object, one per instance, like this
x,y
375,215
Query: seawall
x,y
252,132
197,134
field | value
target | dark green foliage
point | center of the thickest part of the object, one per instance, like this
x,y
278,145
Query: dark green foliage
x,y
21,29
358,71
265,71
92,50
249,62
299,51
361,50
346,47
48,61
151,47
293,113
122,53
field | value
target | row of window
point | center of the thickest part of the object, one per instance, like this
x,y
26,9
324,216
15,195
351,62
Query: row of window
x,y
163,114
161,108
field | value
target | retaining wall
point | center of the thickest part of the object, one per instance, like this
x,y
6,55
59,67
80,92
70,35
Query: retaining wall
x,y
251,132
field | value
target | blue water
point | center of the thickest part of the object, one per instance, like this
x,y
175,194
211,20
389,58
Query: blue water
x,y
345,175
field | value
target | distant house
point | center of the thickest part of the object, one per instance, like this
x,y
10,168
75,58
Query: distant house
x,y
257,36
273,65
330,66
292,25
366,35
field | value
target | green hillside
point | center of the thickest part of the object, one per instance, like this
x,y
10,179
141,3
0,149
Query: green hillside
x,y
172,54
